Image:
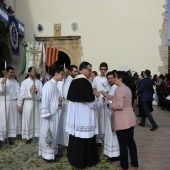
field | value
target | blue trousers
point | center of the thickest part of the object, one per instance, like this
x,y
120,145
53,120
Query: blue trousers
x,y
146,113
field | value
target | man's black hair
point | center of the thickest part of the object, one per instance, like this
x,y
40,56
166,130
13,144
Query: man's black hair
x,y
56,70
9,68
103,64
29,70
71,67
84,64
95,73
110,73
148,73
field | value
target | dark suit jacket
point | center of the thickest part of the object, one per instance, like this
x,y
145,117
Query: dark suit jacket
x,y
145,89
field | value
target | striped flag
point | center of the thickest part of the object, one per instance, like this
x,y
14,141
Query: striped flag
x,y
51,56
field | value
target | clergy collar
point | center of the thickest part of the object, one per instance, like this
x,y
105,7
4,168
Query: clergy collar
x,y
80,76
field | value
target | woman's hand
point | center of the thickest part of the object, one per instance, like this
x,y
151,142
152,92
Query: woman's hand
x,y
106,103
103,93
96,93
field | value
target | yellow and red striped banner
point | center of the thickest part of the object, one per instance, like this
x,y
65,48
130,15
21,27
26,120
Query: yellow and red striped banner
x,y
51,56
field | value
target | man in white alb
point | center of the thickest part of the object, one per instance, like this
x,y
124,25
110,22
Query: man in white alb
x,y
100,83
51,104
111,145
29,88
70,73
12,94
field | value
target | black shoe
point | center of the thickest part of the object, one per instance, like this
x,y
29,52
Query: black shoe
x,y
139,115
0,143
74,168
154,128
118,158
58,156
11,142
99,144
113,159
29,141
141,124
50,160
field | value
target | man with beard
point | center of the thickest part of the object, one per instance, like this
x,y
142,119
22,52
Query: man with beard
x,y
111,145
31,89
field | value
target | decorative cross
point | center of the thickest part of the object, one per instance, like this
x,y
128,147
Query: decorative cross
x,y
34,53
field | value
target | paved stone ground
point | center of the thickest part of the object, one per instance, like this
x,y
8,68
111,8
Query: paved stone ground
x,y
153,150
154,146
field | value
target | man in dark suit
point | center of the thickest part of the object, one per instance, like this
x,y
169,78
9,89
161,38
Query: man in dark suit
x,y
146,91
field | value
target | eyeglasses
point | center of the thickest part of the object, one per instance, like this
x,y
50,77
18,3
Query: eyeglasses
x,y
89,69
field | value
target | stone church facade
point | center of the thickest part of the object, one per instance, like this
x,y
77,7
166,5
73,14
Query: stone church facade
x,y
126,34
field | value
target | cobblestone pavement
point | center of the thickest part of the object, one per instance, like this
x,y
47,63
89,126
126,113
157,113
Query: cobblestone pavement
x,y
153,150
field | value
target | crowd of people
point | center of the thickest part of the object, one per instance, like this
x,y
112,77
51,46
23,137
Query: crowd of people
x,y
81,110
4,6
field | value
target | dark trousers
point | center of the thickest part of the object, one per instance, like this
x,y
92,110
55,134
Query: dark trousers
x,y
140,107
146,106
126,141
168,104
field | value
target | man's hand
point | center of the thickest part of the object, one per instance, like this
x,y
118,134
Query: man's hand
x,y
96,93
60,100
103,99
106,103
4,80
19,108
103,92
48,117
33,88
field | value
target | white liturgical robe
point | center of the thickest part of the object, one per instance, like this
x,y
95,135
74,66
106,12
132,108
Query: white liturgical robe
x,y
111,145
63,135
100,83
26,98
12,94
49,107
81,119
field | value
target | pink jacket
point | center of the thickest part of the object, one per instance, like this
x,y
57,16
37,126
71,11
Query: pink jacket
x,y
123,116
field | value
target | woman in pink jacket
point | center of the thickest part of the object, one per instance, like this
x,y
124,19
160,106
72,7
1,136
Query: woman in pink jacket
x,y
124,120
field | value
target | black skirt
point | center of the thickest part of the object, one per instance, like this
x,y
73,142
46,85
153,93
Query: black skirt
x,y
82,152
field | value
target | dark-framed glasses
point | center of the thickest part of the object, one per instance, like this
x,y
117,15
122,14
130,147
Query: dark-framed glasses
x,y
89,69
